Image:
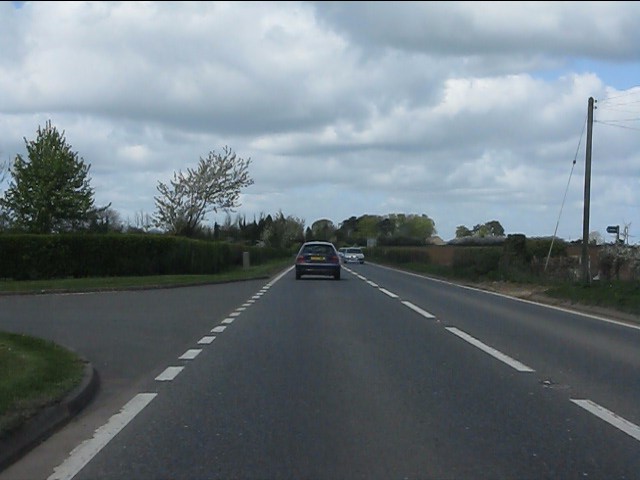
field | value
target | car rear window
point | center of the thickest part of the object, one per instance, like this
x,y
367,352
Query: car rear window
x,y
354,250
318,249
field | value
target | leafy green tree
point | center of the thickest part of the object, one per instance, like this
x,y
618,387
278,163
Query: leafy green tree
x,y
462,231
322,229
495,228
386,227
368,226
284,232
481,230
106,220
347,230
413,226
213,185
50,190
489,229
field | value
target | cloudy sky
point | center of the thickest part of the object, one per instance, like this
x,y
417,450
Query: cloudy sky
x,y
465,112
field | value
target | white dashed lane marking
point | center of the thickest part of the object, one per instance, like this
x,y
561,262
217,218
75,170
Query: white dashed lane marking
x,y
206,340
417,309
611,418
190,354
169,374
218,329
490,350
387,292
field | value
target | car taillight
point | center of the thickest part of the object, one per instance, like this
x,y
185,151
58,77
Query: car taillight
x,y
300,259
334,259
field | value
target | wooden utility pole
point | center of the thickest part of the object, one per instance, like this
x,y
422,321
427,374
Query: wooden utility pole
x,y
586,273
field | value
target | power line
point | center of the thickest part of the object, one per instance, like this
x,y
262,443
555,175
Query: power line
x,y
615,125
630,91
564,198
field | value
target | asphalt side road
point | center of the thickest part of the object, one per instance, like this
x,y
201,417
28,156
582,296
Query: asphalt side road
x,y
126,336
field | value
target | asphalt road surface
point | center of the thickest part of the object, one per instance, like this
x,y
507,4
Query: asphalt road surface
x,y
381,375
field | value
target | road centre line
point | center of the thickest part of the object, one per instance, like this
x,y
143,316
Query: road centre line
x,y
490,350
234,314
84,453
169,374
190,354
206,340
228,321
611,418
417,309
372,283
387,292
218,329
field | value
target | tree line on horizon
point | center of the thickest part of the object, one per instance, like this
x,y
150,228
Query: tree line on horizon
x,y
50,192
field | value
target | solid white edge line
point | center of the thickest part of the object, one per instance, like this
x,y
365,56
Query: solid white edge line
x,y
190,354
417,309
169,374
611,418
490,350
387,292
83,453
282,274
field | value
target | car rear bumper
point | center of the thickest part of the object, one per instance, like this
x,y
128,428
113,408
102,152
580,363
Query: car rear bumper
x,y
311,269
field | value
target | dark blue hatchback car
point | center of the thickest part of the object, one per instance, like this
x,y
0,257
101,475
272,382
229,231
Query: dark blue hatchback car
x,y
318,258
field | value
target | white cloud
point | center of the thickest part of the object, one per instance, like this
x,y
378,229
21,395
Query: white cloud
x,y
464,111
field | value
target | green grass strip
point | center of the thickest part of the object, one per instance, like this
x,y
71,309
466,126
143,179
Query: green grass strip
x,y
34,373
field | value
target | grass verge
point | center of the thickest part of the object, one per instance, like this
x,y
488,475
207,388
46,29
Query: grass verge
x,y
34,373
616,295
114,283
621,296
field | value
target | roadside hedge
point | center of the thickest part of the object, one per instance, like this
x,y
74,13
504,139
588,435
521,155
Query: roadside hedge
x,y
35,257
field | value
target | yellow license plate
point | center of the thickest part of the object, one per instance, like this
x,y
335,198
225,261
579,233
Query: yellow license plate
x,y
316,258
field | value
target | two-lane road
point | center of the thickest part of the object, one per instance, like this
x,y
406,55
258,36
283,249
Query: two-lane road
x,y
380,375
